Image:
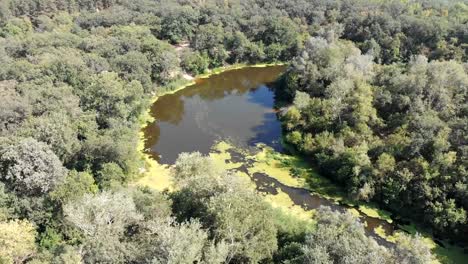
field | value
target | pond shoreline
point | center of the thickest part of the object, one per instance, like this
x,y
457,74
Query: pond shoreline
x,y
149,164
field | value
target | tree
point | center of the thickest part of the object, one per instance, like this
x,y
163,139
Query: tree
x,y
151,204
301,100
57,130
15,109
340,238
194,63
225,203
75,185
103,219
101,148
207,37
134,66
165,241
110,175
196,179
31,168
105,213
447,214
284,32
412,250
387,133
17,241
164,61
245,222
112,98
67,255
189,166
178,23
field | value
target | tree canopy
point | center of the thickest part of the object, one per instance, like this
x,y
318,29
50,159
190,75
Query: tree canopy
x,y
377,99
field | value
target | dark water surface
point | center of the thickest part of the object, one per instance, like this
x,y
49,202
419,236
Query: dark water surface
x,y
236,105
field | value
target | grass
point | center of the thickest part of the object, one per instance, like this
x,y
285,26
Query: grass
x,y
374,212
173,87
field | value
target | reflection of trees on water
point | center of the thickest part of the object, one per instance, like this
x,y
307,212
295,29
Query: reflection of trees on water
x,y
169,108
201,117
173,108
206,124
235,81
152,133
267,132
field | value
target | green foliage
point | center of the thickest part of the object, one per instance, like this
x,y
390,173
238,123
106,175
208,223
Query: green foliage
x,y
341,238
163,59
67,255
76,75
57,130
14,110
412,250
245,222
16,26
243,49
388,133
110,176
179,23
112,98
170,242
226,203
151,204
103,219
75,185
194,63
16,241
30,168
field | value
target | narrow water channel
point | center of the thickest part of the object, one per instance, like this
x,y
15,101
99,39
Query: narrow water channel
x,y
237,106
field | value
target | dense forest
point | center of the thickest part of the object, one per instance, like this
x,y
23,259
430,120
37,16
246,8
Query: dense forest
x,y
393,133
376,94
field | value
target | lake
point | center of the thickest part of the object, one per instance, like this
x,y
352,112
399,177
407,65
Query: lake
x,y
236,106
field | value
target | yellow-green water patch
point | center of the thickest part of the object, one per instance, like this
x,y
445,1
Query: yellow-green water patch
x,y
294,171
274,168
222,158
157,177
283,202
354,212
153,174
380,231
375,212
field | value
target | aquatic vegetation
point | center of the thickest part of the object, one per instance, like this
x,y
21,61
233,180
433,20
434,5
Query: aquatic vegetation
x,y
375,212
